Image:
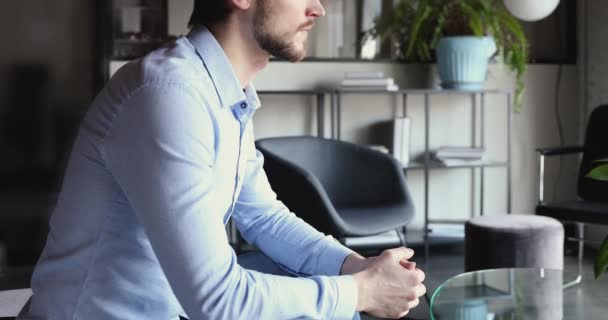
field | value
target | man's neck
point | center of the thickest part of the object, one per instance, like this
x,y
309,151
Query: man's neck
x,y
246,58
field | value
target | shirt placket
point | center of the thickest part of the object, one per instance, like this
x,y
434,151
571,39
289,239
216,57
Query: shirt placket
x,y
241,113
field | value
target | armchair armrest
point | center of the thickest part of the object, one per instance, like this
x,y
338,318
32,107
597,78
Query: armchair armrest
x,y
555,151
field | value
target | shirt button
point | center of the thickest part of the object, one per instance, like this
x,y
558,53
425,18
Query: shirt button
x,y
243,105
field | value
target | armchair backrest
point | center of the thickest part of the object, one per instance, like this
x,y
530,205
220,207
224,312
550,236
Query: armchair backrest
x,y
595,148
351,175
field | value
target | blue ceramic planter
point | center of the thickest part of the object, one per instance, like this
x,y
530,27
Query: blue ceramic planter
x,y
463,61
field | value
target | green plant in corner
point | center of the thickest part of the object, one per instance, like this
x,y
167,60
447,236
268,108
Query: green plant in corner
x,y
601,261
416,26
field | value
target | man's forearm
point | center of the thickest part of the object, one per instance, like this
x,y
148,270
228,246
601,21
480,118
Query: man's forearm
x,y
353,263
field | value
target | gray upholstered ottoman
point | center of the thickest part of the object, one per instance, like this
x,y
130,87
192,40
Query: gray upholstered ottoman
x,y
513,241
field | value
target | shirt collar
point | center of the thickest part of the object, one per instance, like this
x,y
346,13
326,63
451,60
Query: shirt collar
x,y
220,70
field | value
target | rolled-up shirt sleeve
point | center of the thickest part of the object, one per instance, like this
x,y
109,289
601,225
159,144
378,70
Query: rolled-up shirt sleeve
x,y
160,150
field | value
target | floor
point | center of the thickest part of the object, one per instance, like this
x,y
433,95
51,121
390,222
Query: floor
x,y
448,261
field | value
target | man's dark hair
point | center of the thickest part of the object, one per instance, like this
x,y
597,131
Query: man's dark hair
x,y
209,12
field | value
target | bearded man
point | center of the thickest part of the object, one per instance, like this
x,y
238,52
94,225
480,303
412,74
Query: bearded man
x,y
164,158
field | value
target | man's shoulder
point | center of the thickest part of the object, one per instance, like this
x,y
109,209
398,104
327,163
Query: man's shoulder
x,y
176,63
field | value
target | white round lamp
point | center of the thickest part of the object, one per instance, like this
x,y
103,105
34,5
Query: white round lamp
x,y
531,10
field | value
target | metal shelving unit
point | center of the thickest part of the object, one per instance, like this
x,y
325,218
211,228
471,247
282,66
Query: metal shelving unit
x,y
478,131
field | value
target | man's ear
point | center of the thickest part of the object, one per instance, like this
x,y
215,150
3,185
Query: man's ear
x,y
241,4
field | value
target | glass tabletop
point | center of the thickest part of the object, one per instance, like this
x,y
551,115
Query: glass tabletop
x,y
498,294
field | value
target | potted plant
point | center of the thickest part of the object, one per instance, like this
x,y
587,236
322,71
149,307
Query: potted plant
x,y
601,261
461,34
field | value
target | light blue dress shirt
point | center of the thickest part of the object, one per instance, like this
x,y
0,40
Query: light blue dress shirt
x,y
164,157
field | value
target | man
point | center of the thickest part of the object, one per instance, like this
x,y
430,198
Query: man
x,y
164,158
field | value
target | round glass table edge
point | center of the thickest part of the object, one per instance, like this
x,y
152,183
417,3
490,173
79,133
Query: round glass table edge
x,y
484,271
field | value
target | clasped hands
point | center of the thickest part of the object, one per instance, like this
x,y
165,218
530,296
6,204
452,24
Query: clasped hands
x,y
389,285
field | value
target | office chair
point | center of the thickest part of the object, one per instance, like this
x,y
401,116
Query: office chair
x,y
340,188
592,203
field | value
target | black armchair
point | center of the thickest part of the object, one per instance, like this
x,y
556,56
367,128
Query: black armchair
x,y
592,203
340,188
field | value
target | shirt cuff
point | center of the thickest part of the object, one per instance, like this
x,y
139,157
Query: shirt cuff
x,y
346,305
332,257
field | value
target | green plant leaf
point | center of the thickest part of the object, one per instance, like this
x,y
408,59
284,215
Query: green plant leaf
x,y
601,261
599,172
423,12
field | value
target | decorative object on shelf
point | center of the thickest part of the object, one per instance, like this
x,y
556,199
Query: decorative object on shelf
x,y
418,27
601,261
463,61
528,10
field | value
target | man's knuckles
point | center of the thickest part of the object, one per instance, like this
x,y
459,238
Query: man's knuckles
x,y
413,304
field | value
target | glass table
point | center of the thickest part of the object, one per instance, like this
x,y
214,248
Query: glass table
x,y
498,294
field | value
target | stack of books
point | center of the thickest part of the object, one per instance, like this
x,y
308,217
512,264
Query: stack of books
x,y
453,156
368,81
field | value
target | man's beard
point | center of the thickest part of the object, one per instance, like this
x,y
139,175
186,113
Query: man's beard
x,y
277,45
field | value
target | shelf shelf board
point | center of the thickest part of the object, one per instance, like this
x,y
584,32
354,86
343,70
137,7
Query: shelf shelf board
x,y
433,91
434,165
301,92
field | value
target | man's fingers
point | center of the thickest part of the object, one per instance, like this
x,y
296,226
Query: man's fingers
x,y
420,290
420,275
408,264
411,266
403,314
401,253
413,304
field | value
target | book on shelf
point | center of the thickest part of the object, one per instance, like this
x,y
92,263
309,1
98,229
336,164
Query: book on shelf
x,y
393,135
401,140
367,81
452,152
392,87
459,162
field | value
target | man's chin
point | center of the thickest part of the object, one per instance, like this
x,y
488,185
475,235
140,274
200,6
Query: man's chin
x,y
298,54
298,58
292,56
